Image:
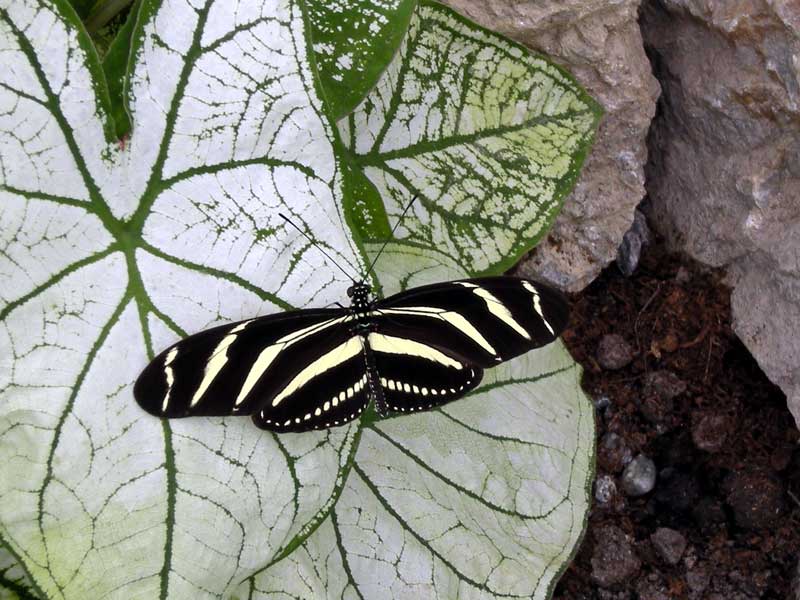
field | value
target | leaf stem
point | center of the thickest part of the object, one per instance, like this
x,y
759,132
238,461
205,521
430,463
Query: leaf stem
x,y
102,12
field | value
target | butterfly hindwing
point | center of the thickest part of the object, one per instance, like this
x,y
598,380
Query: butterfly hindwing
x,y
232,369
484,321
415,376
330,389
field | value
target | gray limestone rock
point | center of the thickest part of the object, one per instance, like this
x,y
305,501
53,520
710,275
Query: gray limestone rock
x,y
724,172
600,43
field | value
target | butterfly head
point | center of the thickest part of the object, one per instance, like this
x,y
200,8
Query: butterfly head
x,y
359,294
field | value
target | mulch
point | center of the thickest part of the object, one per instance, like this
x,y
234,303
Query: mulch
x,y
723,442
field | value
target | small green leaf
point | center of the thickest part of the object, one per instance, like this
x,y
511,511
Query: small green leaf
x,y
354,41
115,65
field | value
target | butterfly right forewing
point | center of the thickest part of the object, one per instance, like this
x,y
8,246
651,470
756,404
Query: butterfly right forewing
x,y
234,368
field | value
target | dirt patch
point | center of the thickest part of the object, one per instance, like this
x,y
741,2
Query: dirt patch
x,y
722,519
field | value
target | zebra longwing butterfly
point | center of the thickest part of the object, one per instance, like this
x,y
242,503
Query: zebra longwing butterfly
x,y
318,368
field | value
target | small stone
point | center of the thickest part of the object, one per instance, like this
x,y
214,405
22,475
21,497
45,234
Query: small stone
x,y
711,430
669,544
614,352
656,409
630,250
605,488
652,587
683,275
602,402
639,477
612,453
665,384
614,559
697,580
757,499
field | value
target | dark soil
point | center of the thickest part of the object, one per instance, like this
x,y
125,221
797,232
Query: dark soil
x,y
725,447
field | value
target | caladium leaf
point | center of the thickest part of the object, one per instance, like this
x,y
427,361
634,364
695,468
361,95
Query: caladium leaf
x,y
486,497
354,41
489,136
14,583
110,251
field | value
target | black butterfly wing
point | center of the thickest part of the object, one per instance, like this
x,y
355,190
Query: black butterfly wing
x,y
330,388
413,375
482,321
237,368
432,343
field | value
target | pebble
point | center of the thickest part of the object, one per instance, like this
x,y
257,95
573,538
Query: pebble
x,y
630,250
613,453
697,580
656,409
602,402
639,477
710,431
652,587
613,352
757,499
605,488
613,559
663,383
669,544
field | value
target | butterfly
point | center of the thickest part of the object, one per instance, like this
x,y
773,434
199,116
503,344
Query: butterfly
x,y
318,368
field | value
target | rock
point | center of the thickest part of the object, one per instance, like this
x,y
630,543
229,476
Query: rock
x,y
697,580
757,499
669,544
639,477
612,453
710,431
665,384
724,175
613,352
605,489
652,587
601,402
600,43
657,409
630,250
613,559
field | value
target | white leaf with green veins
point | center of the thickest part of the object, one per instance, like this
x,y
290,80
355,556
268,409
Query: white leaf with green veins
x,y
490,136
108,255
109,252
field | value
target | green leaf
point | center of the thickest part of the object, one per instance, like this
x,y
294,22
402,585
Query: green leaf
x,y
354,41
115,66
108,253
491,137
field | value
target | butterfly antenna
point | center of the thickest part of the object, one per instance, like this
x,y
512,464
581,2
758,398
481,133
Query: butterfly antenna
x,y
320,248
391,236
